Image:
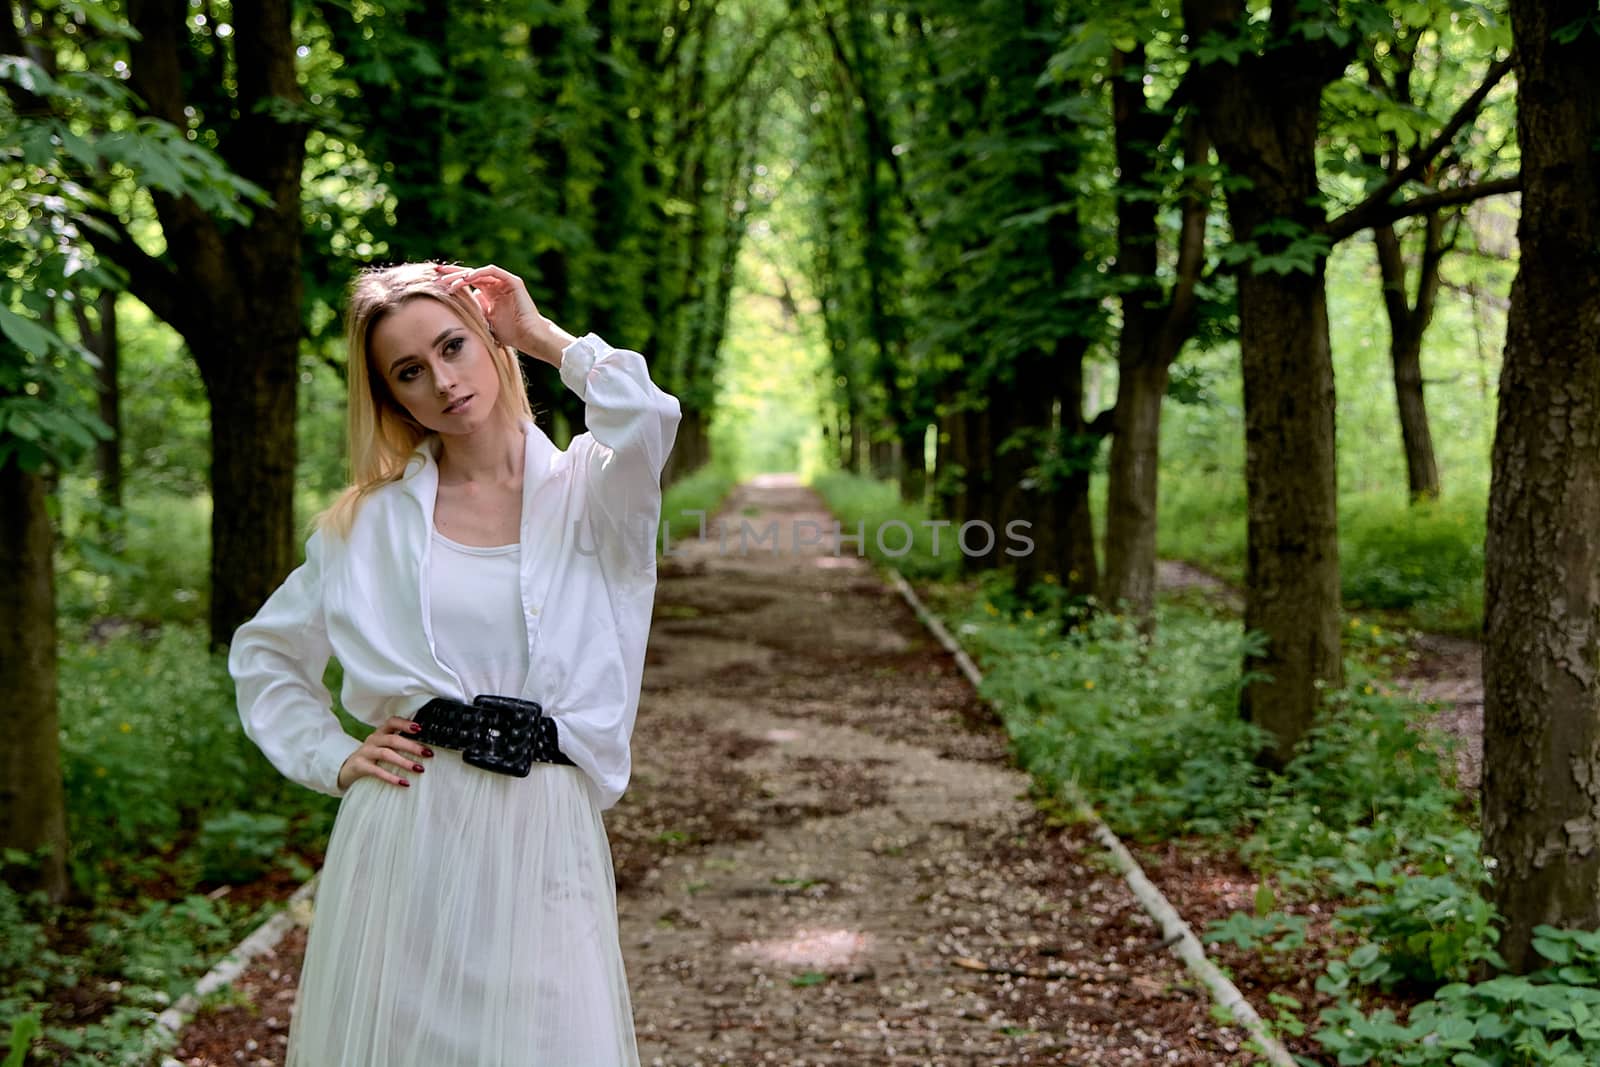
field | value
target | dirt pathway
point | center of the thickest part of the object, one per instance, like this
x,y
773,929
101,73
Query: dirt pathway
x,y
824,837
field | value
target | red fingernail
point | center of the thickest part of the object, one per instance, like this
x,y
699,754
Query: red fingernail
x,y
405,783
416,766
427,752
415,727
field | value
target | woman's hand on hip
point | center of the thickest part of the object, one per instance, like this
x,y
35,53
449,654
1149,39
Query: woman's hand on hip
x,y
509,309
389,744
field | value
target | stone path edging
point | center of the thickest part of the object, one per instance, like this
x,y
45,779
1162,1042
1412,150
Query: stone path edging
x,y
1174,931
263,939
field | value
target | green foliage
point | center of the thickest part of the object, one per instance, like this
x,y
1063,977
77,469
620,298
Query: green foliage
x,y
875,507
154,570
24,1028
151,743
700,491
1425,557
1275,931
59,124
1364,812
1424,929
139,956
1550,1018
1147,727
240,846
164,945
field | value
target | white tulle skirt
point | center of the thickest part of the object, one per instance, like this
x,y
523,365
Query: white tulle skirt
x,y
469,920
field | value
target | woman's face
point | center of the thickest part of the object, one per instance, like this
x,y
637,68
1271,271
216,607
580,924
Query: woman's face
x,y
435,367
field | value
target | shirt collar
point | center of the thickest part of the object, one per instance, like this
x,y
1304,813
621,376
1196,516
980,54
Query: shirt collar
x,y
421,478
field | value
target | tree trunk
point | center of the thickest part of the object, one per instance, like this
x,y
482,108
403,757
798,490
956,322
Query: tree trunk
x,y
1422,470
1292,567
1408,325
982,479
1131,490
32,801
234,292
1071,539
1142,368
914,463
1541,780
881,452
101,339
1262,115
858,444
950,473
1019,496
252,473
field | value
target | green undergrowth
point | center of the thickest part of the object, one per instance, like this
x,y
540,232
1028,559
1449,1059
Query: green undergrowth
x,y
1420,565
703,490
167,802
874,508
1366,814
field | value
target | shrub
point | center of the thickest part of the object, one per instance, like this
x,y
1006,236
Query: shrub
x,y
151,740
240,845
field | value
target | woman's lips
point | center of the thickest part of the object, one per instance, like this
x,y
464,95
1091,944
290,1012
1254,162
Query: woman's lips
x,y
458,406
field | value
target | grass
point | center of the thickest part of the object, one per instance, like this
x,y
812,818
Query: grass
x,y
701,490
1420,566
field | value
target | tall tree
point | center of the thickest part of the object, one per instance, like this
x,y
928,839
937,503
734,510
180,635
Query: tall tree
x,y
1261,101
1259,85
59,121
1377,127
233,292
1541,783
1157,317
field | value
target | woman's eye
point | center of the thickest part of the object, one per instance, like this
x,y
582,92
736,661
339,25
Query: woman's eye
x,y
453,346
407,374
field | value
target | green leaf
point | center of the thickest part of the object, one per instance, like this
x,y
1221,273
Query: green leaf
x,y
27,334
24,1028
1365,956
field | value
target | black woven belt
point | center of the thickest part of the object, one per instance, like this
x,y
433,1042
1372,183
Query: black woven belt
x,y
501,734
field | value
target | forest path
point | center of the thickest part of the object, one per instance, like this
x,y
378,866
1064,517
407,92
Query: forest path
x,y
824,819
824,836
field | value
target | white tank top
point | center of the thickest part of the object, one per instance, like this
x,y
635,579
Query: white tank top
x,y
475,605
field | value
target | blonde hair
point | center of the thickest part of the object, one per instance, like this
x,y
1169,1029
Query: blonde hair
x,y
382,434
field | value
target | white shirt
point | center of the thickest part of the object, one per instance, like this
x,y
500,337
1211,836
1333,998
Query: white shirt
x,y
586,578
478,628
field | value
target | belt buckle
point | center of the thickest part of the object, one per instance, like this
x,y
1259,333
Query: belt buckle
x,y
504,738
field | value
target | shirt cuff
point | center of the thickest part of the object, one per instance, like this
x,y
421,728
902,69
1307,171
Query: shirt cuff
x,y
576,361
331,756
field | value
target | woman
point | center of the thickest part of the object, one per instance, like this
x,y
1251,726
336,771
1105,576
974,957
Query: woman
x,y
466,917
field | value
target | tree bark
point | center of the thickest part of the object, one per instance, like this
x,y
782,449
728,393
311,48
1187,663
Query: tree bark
x,y
1069,538
1155,326
1541,781
914,463
234,293
950,467
1132,486
982,478
101,339
1408,324
1262,115
32,800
